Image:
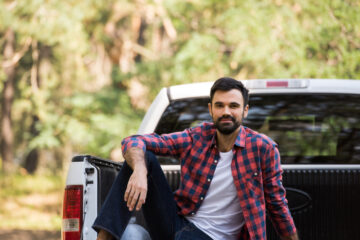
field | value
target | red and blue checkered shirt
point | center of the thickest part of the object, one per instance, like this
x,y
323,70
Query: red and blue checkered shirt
x,y
255,168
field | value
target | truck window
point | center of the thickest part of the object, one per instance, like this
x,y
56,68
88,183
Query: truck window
x,y
308,128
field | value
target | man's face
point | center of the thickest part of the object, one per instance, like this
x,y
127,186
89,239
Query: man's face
x,y
227,110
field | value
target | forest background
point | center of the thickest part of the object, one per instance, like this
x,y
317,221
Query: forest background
x,y
77,76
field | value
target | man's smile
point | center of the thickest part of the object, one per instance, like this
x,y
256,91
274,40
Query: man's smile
x,y
226,120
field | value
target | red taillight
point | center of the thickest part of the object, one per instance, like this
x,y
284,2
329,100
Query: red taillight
x,y
72,212
277,84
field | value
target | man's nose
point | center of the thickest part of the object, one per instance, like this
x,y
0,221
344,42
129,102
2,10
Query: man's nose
x,y
227,110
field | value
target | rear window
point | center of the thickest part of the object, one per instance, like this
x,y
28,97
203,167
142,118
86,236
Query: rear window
x,y
309,129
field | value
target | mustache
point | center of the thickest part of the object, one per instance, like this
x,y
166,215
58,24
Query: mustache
x,y
226,117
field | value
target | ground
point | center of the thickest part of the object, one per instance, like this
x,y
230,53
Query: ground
x,y
17,234
30,207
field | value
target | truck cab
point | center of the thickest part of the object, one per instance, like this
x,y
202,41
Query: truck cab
x,y
316,124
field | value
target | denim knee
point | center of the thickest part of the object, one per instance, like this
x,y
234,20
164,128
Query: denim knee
x,y
151,160
135,231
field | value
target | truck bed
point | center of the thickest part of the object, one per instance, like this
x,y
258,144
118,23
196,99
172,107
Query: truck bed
x,y
315,194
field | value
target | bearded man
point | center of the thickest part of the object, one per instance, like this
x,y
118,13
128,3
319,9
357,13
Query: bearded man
x,y
230,179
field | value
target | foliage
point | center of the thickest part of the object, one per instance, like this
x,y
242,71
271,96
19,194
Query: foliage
x,y
21,185
100,64
28,200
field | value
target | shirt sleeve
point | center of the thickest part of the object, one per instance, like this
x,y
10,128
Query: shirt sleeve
x,y
274,191
166,144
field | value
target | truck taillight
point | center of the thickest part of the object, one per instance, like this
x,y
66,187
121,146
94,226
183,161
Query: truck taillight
x,y
278,83
72,212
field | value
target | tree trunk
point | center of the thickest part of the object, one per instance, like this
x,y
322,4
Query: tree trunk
x,y
32,161
7,135
32,158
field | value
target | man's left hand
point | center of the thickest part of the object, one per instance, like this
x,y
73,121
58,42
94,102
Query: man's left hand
x,y
291,237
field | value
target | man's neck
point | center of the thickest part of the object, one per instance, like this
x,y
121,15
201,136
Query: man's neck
x,y
225,142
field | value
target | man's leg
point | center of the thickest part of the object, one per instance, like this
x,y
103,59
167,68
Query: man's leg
x,y
135,232
189,231
114,214
159,210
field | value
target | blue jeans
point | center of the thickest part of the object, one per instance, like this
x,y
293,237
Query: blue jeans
x,y
135,232
160,209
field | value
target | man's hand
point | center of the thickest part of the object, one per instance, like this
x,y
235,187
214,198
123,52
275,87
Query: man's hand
x,y
104,235
292,237
137,186
136,189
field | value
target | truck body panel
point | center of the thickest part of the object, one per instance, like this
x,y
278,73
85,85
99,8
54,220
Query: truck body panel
x,y
316,124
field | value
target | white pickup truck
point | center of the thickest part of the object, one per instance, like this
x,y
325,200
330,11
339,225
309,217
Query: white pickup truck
x,y
316,124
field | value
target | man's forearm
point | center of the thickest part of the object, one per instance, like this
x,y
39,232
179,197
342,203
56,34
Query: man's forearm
x,y
135,158
136,190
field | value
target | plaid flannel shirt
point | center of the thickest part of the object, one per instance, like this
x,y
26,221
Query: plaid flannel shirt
x,y
255,168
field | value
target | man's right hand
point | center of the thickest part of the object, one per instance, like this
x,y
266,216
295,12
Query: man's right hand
x,y
137,186
104,235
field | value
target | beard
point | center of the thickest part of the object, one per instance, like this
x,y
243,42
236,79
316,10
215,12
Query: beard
x,y
227,128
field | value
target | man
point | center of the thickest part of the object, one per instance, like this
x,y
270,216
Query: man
x,y
230,176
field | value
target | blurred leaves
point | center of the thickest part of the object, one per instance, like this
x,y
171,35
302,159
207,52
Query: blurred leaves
x,y
101,63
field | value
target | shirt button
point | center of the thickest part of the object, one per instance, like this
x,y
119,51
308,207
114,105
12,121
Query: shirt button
x,y
209,179
202,198
255,174
215,161
193,213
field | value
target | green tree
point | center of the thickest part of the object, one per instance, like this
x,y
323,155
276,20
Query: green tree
x,y
83,72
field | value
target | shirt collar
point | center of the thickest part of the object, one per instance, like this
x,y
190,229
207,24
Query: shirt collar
x,y
240,139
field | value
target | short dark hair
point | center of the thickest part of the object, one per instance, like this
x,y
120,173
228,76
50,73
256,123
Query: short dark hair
x,y
227,84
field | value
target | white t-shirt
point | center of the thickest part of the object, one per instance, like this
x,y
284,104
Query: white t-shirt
x,y
220,215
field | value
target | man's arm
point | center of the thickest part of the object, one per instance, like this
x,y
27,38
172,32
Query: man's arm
x,y
166,144
134,148
274,191
137,186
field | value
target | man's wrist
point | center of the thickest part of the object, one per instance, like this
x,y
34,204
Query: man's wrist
x,y
135,157
140,167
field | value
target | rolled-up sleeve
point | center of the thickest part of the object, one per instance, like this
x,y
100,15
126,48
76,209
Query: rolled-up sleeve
x,y
275,195
166,144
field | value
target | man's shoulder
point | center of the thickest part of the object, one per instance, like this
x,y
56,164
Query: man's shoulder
x,y
259,138
204,129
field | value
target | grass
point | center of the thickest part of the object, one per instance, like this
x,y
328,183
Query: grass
x,y
30,201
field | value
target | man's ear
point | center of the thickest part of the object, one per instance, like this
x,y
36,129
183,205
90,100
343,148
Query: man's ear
x,y
246,110
210,109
